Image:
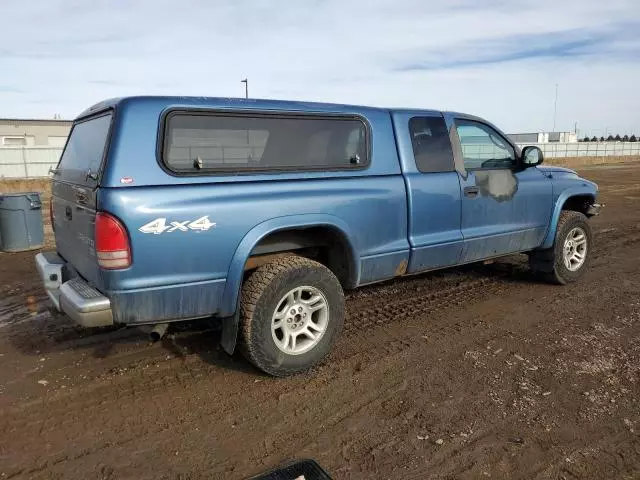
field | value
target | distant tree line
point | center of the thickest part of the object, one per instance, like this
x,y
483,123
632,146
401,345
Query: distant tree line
x,y
610,138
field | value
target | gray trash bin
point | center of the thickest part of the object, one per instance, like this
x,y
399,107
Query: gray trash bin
x,y
20,222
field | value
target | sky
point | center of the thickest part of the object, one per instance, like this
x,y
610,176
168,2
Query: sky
x,y
497,59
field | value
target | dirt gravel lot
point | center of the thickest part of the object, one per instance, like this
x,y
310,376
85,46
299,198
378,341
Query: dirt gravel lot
x,y
481,372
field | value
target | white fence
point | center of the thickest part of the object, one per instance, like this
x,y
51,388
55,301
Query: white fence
x,y
558,150
587,149
34,162
27,162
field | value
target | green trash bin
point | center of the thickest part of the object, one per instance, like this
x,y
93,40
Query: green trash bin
x,y
21,222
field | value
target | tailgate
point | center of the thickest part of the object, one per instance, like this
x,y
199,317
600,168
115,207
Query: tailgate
x,y
74,194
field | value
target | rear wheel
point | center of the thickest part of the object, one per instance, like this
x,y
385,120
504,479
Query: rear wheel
x,y
291,313
567,259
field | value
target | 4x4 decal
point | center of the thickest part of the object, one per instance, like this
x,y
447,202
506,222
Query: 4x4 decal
x,y
160,225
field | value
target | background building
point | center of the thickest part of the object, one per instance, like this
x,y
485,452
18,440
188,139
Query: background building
x,y
33,133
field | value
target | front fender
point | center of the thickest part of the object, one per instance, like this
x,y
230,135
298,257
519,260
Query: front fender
x,y
564,196
260,231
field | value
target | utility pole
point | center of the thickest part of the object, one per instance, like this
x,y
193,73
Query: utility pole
x,y
555,109
246,87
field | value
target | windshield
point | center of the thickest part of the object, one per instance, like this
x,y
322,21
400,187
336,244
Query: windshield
x,y
82,156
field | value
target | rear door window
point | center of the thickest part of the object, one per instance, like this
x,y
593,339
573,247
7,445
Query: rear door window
x,y
81,159
431,145
202,142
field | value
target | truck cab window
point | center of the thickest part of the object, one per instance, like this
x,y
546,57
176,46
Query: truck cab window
x,y
431,145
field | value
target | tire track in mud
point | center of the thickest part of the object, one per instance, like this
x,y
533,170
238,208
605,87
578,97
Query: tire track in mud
x,y
401,314
55,333
136,431
616,457
62,458
99,393
60,415
391,308
66,415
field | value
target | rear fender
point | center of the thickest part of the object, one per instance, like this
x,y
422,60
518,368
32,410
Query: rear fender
x,y
253,237
557,210
229,306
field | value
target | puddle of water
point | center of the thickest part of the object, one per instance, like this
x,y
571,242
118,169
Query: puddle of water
x,y
17,309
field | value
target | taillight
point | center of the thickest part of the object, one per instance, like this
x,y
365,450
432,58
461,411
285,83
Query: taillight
x,y
112,242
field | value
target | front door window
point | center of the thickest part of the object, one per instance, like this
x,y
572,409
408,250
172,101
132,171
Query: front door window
x,y
483,147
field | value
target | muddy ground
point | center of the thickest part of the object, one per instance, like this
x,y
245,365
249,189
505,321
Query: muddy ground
x,y
481,372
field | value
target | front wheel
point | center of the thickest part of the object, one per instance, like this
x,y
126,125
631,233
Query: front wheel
x,y
569,256
291,313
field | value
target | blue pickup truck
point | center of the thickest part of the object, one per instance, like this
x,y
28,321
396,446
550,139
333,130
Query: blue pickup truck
x,y
261,213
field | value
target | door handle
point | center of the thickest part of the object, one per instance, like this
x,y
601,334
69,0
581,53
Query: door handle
x,y
471,192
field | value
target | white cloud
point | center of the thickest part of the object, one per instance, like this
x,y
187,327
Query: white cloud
x,y
498,59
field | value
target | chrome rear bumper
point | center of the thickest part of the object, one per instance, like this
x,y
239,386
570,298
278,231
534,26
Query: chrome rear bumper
x,y
75,297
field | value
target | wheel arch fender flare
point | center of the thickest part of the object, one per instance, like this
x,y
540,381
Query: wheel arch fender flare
x,y
229,302
558,207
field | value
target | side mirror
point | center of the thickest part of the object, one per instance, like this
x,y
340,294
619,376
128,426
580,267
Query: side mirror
x,y
531,156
